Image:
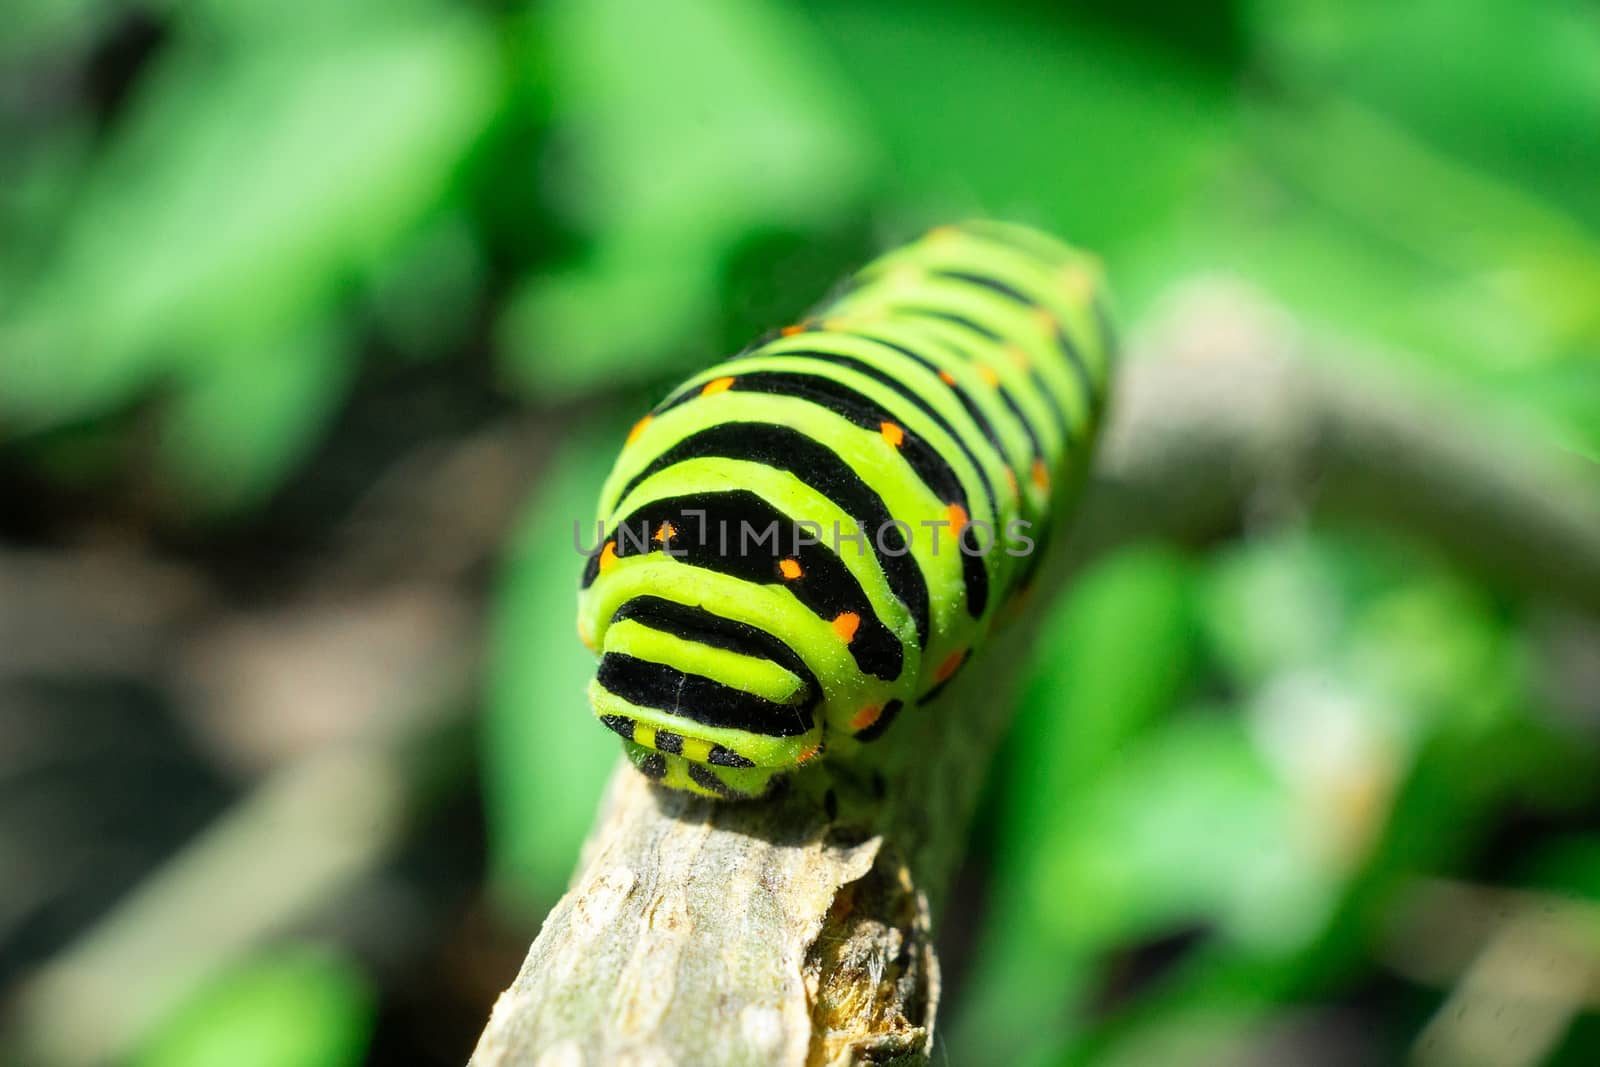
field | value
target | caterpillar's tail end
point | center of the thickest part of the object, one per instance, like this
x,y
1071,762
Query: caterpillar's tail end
x,y
701,779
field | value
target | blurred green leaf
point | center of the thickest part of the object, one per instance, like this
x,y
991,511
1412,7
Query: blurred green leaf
x,y
36,187
1382,616
1512,86
1420,180
241,194
1515,248
1270,606
288,1007
1513,323
1435,643
1355,663
36,28
425,295
1113,655
545,758
1569,395
682,128
1189,826
252,22
244,418
1003,110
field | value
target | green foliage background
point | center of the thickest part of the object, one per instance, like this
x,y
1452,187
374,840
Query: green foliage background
x,y
1232,758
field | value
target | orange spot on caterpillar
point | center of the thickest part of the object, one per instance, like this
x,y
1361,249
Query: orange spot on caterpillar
x,y
790,568
866,717
717,385
947,378
990,378
1011,480
845,624
948,667
790,331
809,754
1075,281
1041,475
892,433
638,428
958,518
608,556
667,531
585,636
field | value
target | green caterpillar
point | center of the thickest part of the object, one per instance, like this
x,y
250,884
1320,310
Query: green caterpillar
x,y
807,541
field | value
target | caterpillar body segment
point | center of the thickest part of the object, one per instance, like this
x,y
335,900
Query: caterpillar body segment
x,y
805,543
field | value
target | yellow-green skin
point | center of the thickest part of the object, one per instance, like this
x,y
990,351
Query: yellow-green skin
x,y
1001,332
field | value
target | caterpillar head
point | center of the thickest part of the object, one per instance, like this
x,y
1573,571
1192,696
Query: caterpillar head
x,y
706,703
